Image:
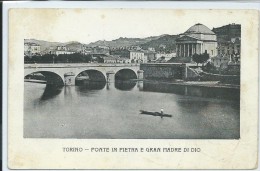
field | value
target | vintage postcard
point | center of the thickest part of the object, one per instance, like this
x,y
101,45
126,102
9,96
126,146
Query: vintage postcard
x,y
132,88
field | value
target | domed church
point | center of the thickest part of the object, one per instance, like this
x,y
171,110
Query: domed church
x,y
197,39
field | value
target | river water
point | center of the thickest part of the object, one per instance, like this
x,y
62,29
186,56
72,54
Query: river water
x,y
104,111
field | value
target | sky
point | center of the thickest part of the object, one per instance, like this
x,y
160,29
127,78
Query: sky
x,y
89,25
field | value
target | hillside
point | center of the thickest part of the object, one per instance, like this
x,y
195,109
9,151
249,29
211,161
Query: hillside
x,y
153,41
167,41
123,41
46,46
74,46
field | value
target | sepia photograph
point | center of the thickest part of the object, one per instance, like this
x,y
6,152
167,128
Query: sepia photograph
x,y
174,84
130,87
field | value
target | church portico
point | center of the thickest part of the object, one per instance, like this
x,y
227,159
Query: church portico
x,y
187,49
197,39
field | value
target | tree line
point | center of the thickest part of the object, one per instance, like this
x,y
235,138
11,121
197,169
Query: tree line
x,y
62,58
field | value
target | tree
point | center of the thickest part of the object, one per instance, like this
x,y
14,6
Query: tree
x,y
100,59
47,58
200,58
27,59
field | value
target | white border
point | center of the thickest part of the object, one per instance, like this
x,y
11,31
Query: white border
x,y
95,4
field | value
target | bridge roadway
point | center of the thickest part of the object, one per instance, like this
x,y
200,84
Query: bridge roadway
x,y
66,73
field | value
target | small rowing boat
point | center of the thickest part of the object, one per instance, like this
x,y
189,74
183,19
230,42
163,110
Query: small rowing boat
x,y
154,113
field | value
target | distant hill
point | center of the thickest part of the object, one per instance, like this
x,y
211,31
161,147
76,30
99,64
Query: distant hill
x,y
74,46
46,46
123,41
153,41
167,41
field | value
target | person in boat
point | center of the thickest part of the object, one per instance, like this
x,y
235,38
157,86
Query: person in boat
x,y
161,112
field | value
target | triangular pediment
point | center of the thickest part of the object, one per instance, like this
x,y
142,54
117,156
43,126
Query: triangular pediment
x,y
187,38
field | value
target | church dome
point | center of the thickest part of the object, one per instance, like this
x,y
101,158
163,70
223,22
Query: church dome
x,y
199,28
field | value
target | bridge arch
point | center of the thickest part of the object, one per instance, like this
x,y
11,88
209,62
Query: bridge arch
x,y
48,76
125,74
89,75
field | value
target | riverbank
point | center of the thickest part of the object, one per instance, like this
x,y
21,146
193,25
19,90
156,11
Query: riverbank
x,y
213,84
35,81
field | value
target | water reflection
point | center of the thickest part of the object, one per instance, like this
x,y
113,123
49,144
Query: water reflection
x,y
163,88
212,92
208,92
92,85
102,110
51,91
140,85
125,85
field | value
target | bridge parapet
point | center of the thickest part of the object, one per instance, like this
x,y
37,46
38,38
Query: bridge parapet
x,y
69,72
73,65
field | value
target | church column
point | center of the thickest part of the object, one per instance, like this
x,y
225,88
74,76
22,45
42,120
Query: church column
x,y
184,54
201,48
177,50
191,49
181,45
183,50
188,50
194,48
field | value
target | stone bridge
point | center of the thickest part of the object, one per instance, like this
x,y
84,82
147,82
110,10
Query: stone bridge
x,y
66,74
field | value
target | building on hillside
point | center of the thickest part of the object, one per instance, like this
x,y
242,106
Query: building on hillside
x,y
220,61
61,50
110,59
161,60
120,52
101,50
167,56
227,32
151,49
31,48
197,39
162,46
86,50
103,47
142,56
134,48
150,55
229,45
228,53
137,56
123,60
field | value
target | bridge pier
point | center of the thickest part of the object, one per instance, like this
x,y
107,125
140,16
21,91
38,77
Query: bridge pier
x,y
140,85
110,76
69,79
140,74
